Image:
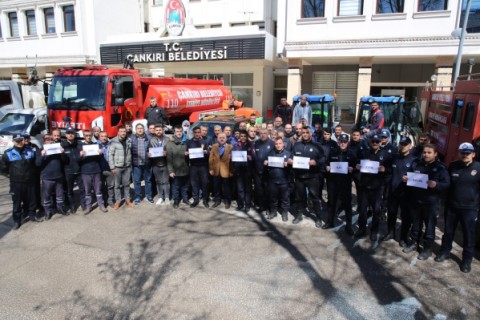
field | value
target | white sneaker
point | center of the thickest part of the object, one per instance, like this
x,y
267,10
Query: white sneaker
x,y
167,201
159,201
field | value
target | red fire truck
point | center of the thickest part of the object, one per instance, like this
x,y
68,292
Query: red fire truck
x,y
99,96
453,117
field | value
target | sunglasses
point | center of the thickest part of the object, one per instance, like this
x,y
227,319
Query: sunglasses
x,y
465,153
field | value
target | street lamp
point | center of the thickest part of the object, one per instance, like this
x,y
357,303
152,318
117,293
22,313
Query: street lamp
x,y
462,32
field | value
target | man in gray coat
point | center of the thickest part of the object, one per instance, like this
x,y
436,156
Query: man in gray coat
x,y
120,162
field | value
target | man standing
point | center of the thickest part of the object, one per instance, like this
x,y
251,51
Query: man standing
x,y
284,111
120,162
339,183
51,174
154,114
108,179
221,168
141,165
199,168
398,195
243,174
177,163
307,179
302,111
463,202
425,203
159,165
91,171
261,149
20,163
72,149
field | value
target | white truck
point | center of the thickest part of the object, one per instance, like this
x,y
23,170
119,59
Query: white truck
x,y
15,96
20,121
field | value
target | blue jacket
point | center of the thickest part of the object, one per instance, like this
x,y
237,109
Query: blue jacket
x,y
20,163
51,166
91,164
261,149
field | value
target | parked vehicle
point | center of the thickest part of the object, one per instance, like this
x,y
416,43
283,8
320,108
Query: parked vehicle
x,y
401,118
324,109
99,96
15,96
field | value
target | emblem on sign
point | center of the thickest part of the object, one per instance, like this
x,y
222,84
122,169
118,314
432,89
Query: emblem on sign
x,y
175,17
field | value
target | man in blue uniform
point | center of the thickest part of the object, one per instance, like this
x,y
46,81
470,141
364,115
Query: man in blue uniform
x,y
199,169
463,201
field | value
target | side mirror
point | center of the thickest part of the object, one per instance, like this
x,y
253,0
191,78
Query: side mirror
x,y
119,101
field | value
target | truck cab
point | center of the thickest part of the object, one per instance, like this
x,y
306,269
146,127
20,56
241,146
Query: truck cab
x,y
31,121
324,110
401,118
15,96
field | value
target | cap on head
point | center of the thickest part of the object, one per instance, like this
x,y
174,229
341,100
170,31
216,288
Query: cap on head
x,y
17,137
375,138
384,133
405,140
26,135
343,137
466,147
70,130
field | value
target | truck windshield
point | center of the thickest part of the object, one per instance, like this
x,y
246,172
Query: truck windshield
x,y
15,123
78,93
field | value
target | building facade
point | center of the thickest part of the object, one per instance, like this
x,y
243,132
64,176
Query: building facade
x,y
355,48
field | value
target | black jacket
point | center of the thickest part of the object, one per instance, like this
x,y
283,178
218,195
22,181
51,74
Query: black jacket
x,y
72,150
20,163
91,164
279,175
464,191
192,143
261,149
370,180
437,172
51,166
312,150
400,166
155,115
342,156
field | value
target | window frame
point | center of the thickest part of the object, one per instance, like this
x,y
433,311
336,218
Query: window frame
x,y
66,14
13,16
445,6
28,21
391,12
46,15
468,116
361,3
302,13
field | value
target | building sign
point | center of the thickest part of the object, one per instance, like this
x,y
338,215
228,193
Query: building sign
x,y
184,51
175,17
174,53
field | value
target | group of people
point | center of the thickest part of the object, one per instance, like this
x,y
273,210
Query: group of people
x,y
274,168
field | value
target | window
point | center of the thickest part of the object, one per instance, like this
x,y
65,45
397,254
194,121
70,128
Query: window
x,y
457,113
350,7
473,23
69,18
468,118
313,8
31,25
49,20
13,20
157,2
390,6
1,34
432,5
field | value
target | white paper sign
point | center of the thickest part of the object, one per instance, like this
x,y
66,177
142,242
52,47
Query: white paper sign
x,y
239,156
368,166
195,153
90,150
276,162
418,180
301,162
339,167
52,148
156,152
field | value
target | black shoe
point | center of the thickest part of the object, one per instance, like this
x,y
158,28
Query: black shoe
x,y
403,244
260,209
272,215
86,211
205,204
284,216
410,248
297,219
442,256
466,266
373,236
360,233
39,219
349,230
239,208
426,253
194,203
16,225
388,236
48,216
247,209
175,204
216,204
185,201
73,210
327,226
227,205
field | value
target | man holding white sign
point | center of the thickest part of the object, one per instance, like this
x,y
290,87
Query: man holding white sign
x,y
243,172
278,179
307,175
158,162
425,203
340,166
372,178
197,150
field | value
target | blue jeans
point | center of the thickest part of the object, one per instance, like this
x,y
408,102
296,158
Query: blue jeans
x,y
142,172
180,188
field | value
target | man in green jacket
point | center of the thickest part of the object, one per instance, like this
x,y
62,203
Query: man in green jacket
x,y
177,162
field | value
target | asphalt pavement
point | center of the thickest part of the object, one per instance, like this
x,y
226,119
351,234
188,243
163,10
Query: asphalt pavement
x,y
154,262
